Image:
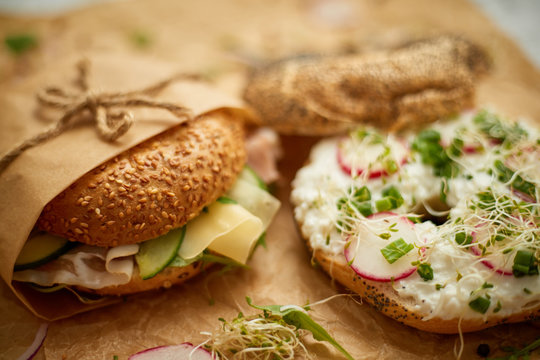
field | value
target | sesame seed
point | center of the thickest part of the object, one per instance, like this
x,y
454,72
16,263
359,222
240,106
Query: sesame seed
x,y
78,231
84,225
84,203
164,214
143,200
110,222
74,220
138,207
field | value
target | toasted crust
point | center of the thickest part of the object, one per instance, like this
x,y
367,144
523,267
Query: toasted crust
x,y
385,299
151,188
165,279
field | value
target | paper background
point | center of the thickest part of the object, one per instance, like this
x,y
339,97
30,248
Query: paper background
x,y
219,39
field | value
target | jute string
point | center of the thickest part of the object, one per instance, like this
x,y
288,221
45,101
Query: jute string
x,y
110,122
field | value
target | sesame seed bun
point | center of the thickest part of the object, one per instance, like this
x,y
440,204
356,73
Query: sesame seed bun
x,y
151,188
383,297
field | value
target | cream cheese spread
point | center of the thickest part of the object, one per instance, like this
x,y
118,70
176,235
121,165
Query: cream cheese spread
x,y
472,276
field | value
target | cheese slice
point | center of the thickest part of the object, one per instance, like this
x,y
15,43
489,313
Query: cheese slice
x,y
255,200
227,229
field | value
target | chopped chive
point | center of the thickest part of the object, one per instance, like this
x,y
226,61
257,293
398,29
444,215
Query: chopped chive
x,y
425,271
527,291
498,307
525,263
395,250
480,304
384,204
365,208
487,285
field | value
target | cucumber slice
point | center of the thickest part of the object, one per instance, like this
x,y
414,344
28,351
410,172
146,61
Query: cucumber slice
x,y
249,175
154,255
40,249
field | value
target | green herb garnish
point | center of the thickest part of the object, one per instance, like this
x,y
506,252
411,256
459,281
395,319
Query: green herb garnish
x,y
427,144
425,271
525,263
462,238
491,125
523,353
141,39
505,174
301,320
21,43
480,304
395,250
226,200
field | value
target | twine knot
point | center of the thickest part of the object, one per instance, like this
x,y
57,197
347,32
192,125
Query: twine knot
x,y
107,111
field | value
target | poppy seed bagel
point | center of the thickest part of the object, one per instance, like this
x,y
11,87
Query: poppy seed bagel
x,y
151,188
383,297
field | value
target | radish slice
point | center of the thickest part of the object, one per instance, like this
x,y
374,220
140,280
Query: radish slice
x,y
363,252
499,262
355,160
522,196
32,350
185,351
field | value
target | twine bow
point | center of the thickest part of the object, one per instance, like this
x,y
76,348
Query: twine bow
x,y
110,122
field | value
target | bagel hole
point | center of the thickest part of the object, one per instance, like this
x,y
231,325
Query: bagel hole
x,y
436,211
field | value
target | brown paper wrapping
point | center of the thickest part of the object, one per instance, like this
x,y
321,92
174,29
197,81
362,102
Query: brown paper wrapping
x,y
219,38
43,171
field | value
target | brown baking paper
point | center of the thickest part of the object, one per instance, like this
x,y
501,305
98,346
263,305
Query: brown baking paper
x,y
43,171
219,38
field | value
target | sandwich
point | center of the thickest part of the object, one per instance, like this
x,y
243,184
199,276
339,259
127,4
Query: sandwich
x,y
438,228
154,216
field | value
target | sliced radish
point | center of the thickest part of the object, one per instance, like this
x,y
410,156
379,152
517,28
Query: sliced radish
x,y
32,350
355,158
498,262
522,196
363,252
185,351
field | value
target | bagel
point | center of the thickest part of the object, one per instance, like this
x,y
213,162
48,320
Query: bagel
x,y
398,88
131,216
438,229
